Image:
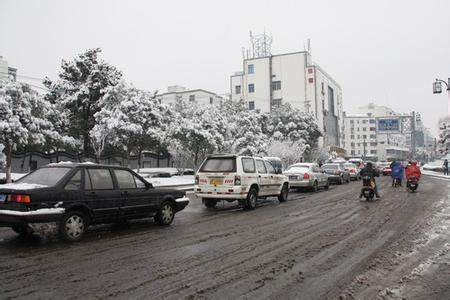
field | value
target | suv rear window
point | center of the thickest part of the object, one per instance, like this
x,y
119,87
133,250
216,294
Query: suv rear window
x,y
219,164
330,167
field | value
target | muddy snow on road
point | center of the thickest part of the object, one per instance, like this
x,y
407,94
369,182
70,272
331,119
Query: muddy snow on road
x,y
327,245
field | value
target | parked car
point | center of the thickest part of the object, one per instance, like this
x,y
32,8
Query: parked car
x,y
336,173
353,170
78,195
307,175
241,178
385,168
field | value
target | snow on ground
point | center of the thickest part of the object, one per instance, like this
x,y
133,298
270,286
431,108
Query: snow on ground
x,y
435,174
14,176
185,180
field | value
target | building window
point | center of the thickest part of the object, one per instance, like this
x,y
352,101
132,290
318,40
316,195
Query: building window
x,y
251,88
364,136
211,100
251,105
373,151
364,121
353,152
364,129
192,98
276,85
373,144
352,121
276,103
330,100
373,136
352,136
237,89
372,121
372,128
251,69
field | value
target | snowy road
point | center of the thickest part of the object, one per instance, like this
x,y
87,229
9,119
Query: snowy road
x,y
315,246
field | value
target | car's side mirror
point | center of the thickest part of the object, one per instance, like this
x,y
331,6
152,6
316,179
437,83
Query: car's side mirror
x,y
148,185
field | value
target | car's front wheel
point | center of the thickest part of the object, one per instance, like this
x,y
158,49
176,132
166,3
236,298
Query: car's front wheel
x,y
165,214
284,193
73,226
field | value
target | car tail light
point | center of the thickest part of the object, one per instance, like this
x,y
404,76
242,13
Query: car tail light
x,y
196,180
20,198
352,171
237,180
306,176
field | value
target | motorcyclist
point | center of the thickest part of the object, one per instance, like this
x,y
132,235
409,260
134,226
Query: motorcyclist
x,y
412,170
371,172
397,172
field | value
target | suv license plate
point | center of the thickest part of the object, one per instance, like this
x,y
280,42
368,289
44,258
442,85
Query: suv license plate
x,y
216,181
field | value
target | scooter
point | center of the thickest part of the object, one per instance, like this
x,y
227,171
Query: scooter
x,y
412,184
396,182
368,189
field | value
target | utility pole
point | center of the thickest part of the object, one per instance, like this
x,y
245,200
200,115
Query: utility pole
x,y
413,134
364,149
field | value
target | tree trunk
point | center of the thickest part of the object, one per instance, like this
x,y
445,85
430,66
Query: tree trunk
x,y
8,150
139,160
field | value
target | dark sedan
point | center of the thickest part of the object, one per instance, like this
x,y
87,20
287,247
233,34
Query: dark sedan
x,y
78,195
336,173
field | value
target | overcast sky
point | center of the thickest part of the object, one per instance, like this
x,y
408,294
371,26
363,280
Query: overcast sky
x,y
386,52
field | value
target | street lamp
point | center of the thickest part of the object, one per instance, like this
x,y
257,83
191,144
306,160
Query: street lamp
x,y
437,89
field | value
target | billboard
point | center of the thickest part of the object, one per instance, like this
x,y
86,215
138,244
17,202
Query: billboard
x,y
389,124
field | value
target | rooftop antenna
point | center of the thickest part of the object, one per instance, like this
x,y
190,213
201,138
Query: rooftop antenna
x,y
261,45
309,45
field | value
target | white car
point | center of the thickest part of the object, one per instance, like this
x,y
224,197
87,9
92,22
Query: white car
x,y
307,175
241,178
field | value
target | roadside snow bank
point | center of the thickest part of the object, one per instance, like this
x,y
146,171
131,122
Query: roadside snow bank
x,y
21,186
172,181
14,176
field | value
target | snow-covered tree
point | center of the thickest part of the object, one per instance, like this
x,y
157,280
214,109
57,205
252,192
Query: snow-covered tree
x,y
198,129
22,119
130,119
80,86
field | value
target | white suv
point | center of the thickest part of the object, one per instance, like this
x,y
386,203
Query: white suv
x,y
241,178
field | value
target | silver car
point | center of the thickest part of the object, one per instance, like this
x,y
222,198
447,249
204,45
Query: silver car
x,y
307,175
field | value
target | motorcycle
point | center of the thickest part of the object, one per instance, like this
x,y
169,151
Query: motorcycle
x,y
368,189
412,184
396,182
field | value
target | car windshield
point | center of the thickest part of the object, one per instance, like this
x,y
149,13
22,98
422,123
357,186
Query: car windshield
x,y
219,164
297,169
330,167
45,176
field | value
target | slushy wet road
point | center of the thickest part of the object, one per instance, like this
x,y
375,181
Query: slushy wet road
x,y
322,245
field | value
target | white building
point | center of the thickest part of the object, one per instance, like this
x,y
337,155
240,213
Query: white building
x,y
269,81
177,93
377,132
5,70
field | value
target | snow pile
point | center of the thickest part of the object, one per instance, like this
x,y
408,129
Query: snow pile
x,y
14,176
21,186
185,180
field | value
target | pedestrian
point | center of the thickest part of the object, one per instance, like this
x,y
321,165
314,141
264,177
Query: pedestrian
x,y
445,167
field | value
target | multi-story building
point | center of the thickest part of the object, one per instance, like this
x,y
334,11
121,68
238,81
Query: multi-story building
x,y
268,81
378,132
6,71
177,93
